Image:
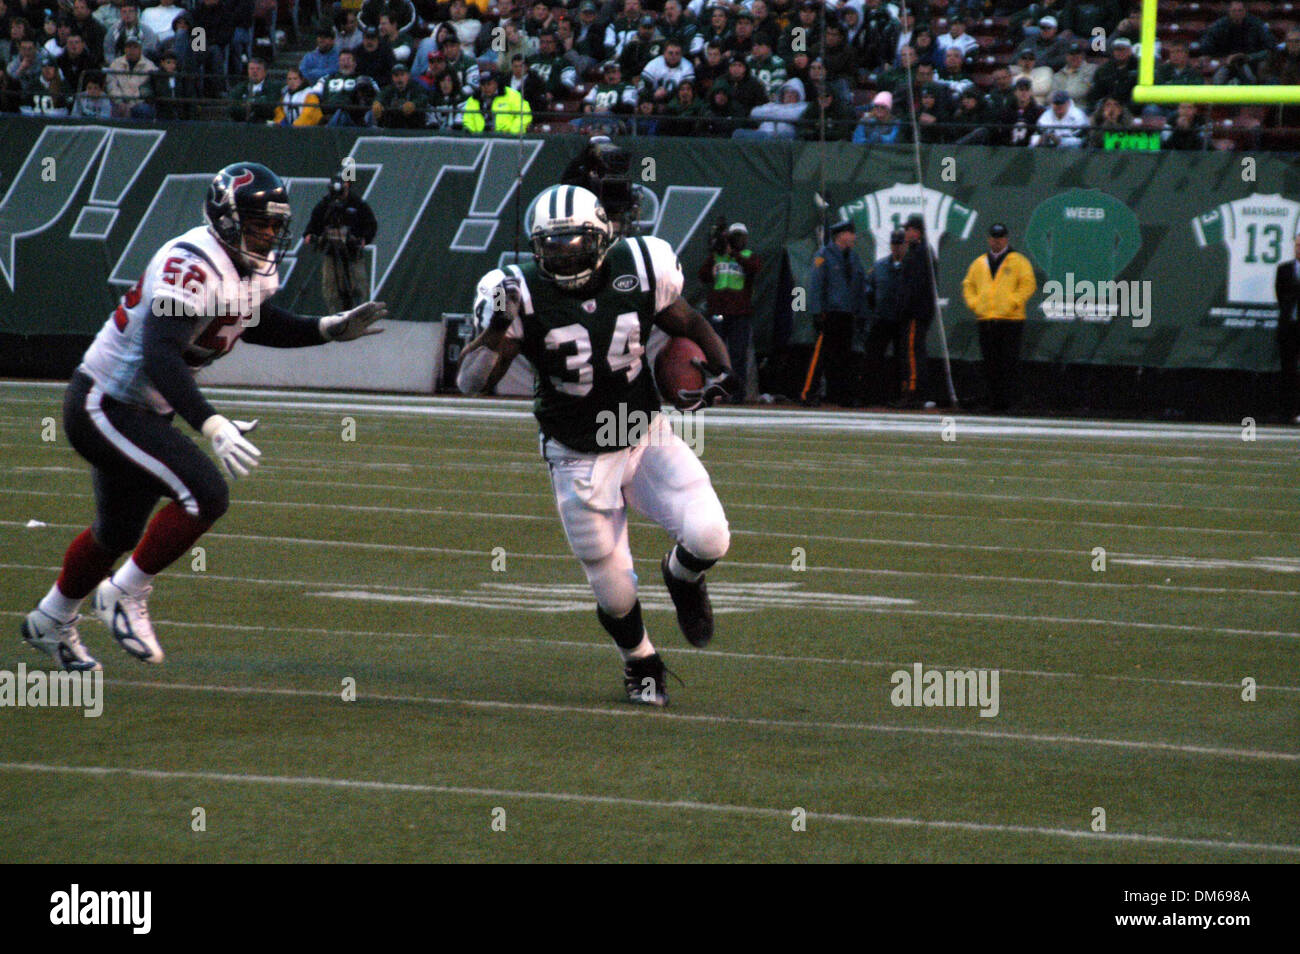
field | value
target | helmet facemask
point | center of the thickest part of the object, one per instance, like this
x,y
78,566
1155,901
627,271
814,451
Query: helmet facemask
x,y
570,256
265,262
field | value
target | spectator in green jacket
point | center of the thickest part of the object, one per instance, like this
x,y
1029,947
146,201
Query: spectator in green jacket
x,y
255,99
403,104
684,115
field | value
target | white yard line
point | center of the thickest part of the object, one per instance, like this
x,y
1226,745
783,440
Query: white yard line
x,y
597,645
782,814
944,614
1115,557
772,417
629,711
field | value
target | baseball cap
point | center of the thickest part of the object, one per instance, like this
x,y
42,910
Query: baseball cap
x,y
399,68
436,55
997,230
646,21
897,237
370,33
738,227
609,65
843,225
1026,54
884,98
587,7
1075,47
1060,96
1122,41
1047,22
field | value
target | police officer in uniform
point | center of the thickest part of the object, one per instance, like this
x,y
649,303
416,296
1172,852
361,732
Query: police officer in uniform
x,y
916,307
839,294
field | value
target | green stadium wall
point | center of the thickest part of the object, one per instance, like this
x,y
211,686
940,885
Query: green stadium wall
x,y
84,207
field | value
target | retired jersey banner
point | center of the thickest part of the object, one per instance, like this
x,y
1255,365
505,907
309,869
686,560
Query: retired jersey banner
x,y
1152,259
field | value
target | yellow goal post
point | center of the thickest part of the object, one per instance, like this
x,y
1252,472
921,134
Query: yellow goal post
x,y
1147,91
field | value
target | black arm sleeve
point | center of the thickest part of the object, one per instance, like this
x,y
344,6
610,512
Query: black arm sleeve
x,y
165,340
278,328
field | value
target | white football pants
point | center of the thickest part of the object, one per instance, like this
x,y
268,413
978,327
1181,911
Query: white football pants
x,y
661,478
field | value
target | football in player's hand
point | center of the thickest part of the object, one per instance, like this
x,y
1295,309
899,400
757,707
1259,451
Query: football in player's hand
x,y
674,370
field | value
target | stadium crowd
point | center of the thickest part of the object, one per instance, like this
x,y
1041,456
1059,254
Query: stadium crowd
x,y
1048,73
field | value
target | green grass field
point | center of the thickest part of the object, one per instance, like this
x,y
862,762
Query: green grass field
x,y
480,689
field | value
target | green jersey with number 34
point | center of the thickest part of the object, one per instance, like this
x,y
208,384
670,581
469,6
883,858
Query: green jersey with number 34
x,y
588,345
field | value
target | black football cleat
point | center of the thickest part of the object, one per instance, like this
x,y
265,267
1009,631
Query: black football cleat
x,y
694,611
646,681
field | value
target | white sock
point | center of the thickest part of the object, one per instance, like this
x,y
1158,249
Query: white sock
x,y
643,649
676,569
131,578
61,607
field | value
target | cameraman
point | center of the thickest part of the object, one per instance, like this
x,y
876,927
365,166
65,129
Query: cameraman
x,y
341,225
728,275
605,169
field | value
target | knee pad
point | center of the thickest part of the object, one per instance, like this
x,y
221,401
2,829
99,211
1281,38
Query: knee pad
x,y
118,536
708,537
592,535
213,501
613,583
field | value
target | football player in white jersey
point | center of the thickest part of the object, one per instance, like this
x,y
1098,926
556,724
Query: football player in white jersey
x,y
580,312
200,293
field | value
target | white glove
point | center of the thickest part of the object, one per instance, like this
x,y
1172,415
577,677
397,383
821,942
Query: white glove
x,y
350,325
237,455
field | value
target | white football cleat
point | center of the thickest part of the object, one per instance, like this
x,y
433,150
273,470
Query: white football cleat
x,y
127,617
58,640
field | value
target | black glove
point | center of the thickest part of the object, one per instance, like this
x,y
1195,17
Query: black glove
x,y
719,382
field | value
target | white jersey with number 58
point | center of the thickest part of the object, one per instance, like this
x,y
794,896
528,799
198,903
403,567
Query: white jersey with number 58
x,y
192,279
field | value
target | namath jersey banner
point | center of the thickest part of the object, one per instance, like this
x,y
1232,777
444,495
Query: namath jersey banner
x,y
884,210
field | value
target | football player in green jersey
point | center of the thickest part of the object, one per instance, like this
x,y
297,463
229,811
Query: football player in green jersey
x,y
582,313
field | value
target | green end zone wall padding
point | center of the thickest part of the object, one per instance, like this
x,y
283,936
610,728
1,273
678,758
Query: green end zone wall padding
x,y
1190,240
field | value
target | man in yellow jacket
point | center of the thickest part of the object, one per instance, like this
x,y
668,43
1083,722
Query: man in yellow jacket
x,y
507,111
996,287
